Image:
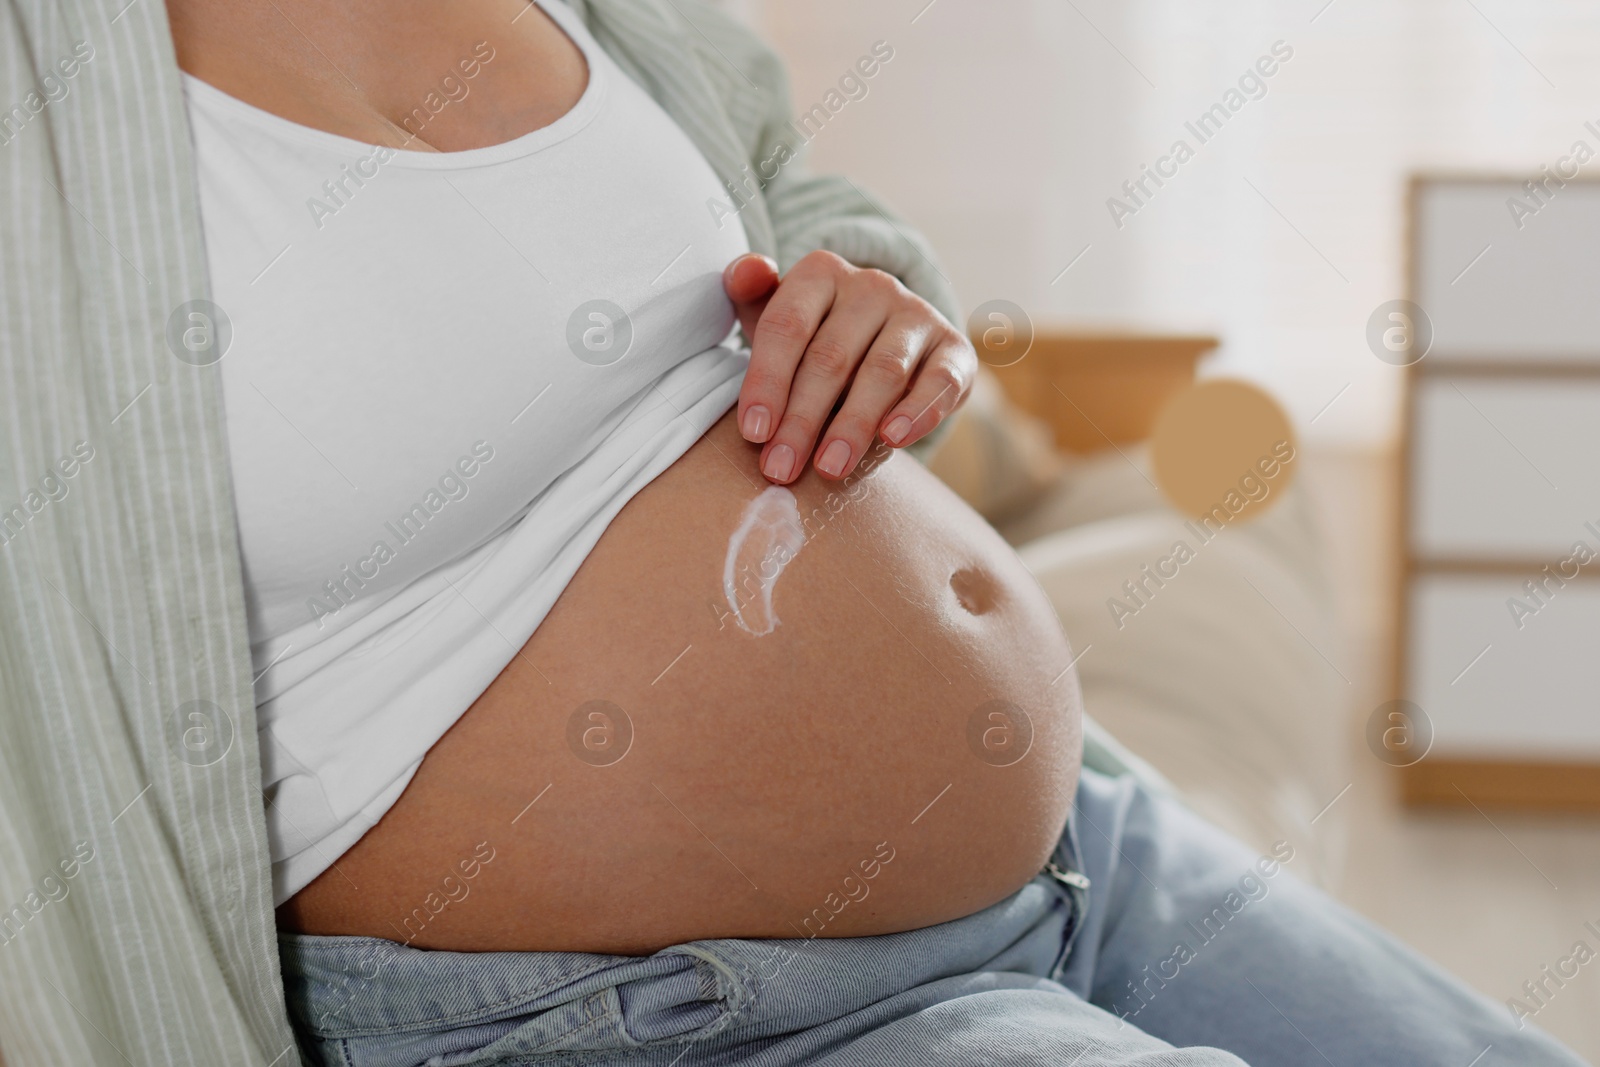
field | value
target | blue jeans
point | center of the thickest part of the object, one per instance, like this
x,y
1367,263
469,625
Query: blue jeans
x,y
1151,938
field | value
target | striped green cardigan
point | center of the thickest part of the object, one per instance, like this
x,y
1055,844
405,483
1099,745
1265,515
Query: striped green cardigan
x,y
136,921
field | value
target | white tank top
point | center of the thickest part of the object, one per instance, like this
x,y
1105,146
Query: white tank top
x,y
447,373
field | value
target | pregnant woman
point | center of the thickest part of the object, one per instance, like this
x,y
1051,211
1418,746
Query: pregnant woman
x,y
624,697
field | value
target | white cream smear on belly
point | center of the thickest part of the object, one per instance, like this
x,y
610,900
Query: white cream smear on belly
x,y
770,534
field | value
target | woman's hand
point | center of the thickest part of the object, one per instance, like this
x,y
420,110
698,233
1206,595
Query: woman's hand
x,y
829,327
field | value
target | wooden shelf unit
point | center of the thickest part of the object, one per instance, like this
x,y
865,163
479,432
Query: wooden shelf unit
x,y
1446,592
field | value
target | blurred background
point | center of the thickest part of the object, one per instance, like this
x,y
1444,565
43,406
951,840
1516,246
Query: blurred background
x,y
1340,156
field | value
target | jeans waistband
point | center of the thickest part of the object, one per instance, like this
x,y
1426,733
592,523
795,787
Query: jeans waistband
x,y
383,1002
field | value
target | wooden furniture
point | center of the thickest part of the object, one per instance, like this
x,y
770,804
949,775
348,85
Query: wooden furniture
x,y
1499,615
1100,389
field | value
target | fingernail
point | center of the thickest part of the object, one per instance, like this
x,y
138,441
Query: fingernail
x,y
833,458
897,429
756,421
780,464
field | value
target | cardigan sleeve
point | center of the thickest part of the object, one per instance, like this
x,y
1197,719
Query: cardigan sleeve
x,y
807,211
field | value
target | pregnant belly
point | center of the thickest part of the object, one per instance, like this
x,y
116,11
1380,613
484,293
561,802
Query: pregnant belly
x,y
899,749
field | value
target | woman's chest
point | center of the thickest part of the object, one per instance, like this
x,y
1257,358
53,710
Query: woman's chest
x,y
391,315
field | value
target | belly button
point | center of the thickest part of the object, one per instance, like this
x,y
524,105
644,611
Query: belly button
x,y
974,589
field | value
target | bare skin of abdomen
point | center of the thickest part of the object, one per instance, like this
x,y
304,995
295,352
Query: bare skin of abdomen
x,y
900,750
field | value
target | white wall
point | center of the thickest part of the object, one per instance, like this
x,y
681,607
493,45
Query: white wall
x,y
1002,127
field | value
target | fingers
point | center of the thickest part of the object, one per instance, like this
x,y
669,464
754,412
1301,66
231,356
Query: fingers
x,y
880,382
942,382
786,327
820,379
830,330
749,281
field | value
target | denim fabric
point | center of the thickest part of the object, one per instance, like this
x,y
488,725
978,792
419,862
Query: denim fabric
x,y
1151,938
